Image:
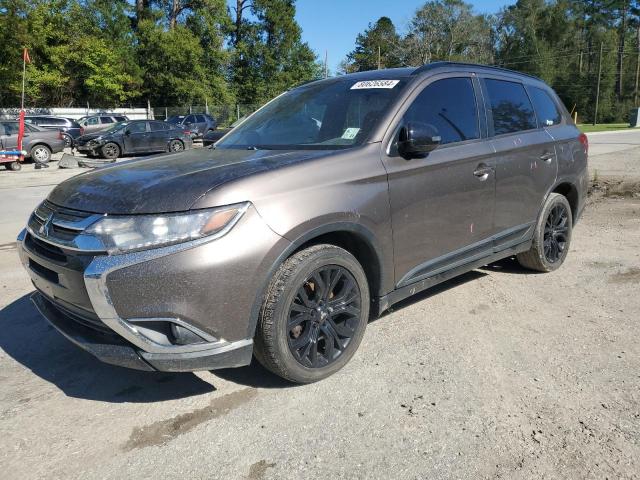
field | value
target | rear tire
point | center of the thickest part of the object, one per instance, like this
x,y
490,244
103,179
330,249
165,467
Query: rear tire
x,y
68,141
40,153
176,146
552,236
307,331
110,150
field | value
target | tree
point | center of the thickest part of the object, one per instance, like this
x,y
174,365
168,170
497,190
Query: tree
x,y
448,30
379,46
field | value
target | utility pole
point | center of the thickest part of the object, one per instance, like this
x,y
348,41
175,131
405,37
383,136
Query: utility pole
x,y
635,89
595,113
326,64
379,59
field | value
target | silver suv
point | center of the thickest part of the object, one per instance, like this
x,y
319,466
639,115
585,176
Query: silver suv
x,y
322,209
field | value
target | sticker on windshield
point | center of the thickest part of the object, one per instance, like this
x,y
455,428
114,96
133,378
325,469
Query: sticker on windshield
x,y
375,84
350,133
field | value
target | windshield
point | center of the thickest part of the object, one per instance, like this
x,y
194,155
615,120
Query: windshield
x,y
319,116
176,119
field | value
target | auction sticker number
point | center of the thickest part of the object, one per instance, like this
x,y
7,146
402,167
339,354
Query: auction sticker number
x,y
375,84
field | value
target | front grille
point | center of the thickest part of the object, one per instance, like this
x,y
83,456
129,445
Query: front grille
x,y
45,250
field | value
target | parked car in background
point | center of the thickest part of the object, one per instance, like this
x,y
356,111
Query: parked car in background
x,y
339,197
135,136
70,129
198,123
212,136
94,123
39,143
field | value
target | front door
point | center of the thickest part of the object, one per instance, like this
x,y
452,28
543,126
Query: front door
x,y
442,204
526,163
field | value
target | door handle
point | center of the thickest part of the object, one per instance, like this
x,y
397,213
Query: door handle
x,y
482,171
547,157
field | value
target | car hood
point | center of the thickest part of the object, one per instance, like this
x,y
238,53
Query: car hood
x,y
90,136
167,183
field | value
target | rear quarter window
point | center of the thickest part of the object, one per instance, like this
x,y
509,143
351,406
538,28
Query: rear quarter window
x,y
546,109
509,107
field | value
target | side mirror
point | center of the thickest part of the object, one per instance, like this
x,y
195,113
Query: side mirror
x,y
417,138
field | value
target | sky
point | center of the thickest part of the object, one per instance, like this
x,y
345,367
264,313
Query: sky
x,y
332,25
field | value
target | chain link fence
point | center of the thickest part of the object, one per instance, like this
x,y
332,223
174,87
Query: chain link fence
x,y
226,115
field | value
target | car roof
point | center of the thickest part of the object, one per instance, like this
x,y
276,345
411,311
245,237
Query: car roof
x,y
396,73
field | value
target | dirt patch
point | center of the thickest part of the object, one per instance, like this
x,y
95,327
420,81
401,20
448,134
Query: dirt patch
x,y
631,275
258,469
161,432
614,188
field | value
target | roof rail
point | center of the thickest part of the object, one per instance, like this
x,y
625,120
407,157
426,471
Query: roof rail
x,y
430,66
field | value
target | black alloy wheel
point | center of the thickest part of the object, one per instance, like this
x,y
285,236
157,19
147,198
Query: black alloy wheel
x,y
551,237
324,316
555,233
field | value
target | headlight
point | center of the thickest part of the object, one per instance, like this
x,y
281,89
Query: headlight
x,y
121,234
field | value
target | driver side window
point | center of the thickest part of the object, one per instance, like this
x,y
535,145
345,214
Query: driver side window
x,y
449,106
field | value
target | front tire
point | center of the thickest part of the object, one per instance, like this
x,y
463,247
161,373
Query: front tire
x,y
552,236
110,150
314,315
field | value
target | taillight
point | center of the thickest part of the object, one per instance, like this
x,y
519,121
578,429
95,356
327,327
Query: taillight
x,y
585,142
60,137
81,131
187,132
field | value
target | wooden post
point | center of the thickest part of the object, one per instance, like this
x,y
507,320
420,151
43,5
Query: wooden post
x,y
595,113
379,59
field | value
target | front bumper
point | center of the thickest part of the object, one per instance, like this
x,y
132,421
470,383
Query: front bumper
x,y
104,304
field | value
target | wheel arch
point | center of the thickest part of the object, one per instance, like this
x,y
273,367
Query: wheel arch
x,y
570,191
355,238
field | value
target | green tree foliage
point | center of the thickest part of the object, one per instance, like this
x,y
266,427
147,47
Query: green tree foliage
x,y
170,52
269,56
557,40
379,46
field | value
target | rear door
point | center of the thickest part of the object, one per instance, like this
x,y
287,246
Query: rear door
x,y
526,164
158,136
136,137
9,135
442,204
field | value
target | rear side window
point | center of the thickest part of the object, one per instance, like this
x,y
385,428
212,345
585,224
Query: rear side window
x,y
156,126
449,105
106,120
11,128
509,106
120,119
546,108
201,118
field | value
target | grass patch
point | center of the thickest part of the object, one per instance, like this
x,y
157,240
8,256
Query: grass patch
x,y
602,127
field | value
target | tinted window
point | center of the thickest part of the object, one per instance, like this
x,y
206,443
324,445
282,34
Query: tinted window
x,y
155,126
137,127
11,128
201,119
510,107
120,119
52,121
450,106
106,120
190,119
92,121
546,108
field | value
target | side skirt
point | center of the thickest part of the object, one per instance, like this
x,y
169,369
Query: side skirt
x,y
399,294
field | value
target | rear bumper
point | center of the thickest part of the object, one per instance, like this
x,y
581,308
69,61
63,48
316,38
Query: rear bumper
x,y
112,349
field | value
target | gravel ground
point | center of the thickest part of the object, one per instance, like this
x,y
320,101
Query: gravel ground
x,y
497,374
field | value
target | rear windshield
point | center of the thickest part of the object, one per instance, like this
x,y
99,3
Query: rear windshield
x,y
326,115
